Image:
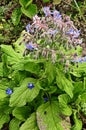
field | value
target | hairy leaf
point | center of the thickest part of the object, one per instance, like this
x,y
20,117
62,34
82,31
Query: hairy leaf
x,y
64,99
48,117
50,72
64,84
23,94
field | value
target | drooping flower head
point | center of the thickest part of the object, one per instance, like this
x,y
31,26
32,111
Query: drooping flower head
x,y
57,15
52,30
73,33
47,11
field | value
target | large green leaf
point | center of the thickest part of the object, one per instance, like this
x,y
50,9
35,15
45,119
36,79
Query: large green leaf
x,y
48,116
9,51
64,84
78,123
32,67
23,94
3,119
21,113
14,124
30,11
30,123
16,15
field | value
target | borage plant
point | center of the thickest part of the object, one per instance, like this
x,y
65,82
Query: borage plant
x,y
41,87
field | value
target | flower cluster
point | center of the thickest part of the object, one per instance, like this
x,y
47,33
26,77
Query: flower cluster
x,y
51,31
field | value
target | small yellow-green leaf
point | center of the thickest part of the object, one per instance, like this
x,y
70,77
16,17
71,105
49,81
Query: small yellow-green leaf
x,y
56,2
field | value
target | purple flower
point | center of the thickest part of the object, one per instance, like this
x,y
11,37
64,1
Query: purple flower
x,y
30,85
78,41
29,46
47,11
9,91
56,15
52,32
74,33
28,28
80,60
45,99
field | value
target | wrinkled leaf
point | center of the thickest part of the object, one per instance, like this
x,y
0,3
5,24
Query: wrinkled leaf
x,y
21,113
23,94
14,124
64,84
30,123
32,67
3,119
64,99
48,117
78,123
9,51
50,72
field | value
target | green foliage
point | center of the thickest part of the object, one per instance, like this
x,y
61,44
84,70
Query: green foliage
x,y
46,1
30,123
28,8
64,84
4,118
16,15
78,123
47,112
56,2
23,94
30,11
65,96
56,92
14,124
